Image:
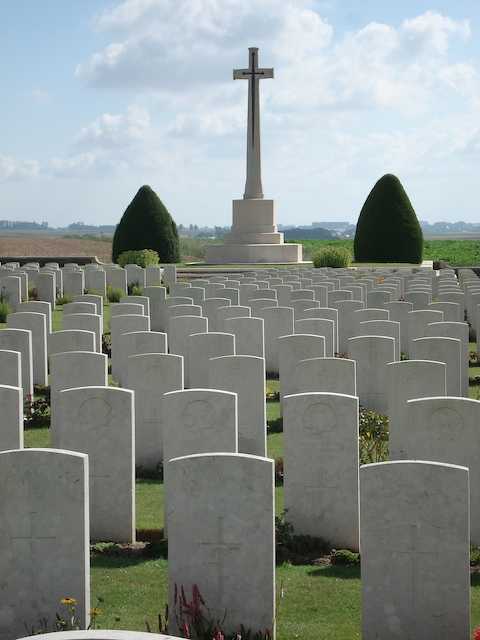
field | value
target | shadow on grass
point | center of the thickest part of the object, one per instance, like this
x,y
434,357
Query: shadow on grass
x,y
475,579
341,573
275,425
117,557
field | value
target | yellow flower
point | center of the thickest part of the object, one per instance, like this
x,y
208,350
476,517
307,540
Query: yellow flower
x,y
68,601
95,611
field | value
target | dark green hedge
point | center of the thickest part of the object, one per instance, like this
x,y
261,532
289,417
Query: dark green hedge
x,y
147,224
387,228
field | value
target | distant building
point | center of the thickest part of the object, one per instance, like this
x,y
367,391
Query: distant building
x,y
333,225
18,224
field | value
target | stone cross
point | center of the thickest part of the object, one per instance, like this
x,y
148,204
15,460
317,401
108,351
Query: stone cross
x,y
253,185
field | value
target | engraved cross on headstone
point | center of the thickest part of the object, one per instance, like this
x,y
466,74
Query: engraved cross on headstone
x,y
253,185
31,537
414,558
221,550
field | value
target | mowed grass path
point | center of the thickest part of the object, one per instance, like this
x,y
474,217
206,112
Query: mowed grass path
x,y
314,603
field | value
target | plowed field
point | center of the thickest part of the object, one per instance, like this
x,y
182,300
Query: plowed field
x,y
46,245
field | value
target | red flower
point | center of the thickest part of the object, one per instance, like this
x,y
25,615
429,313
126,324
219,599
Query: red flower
x,y
476,634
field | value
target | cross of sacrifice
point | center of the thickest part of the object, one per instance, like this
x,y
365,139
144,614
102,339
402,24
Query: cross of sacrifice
x,y
253,185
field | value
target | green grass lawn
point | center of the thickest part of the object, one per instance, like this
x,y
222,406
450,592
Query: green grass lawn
x,y
314,602
455,252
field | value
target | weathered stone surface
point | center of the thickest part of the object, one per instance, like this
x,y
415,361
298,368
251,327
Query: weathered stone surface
x,y
201,347
11,408
447,350
220,521
36,323
277,322
407,380
321,466
245,376
248,332
442,429
71,340
86,322
291,350
372,354
20,340
460,331
98,421
412,514
10,368
151,375
45,540
326,375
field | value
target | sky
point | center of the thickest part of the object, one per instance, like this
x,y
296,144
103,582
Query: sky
x,y
100,97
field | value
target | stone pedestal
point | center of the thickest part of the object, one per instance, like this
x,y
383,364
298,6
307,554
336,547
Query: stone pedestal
x,y
254,237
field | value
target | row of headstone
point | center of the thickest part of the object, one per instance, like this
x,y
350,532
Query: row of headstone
x,y
222,538
205,427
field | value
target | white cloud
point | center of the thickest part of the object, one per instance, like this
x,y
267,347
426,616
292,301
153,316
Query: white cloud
x,y
303,33
342,108
73,166
181,46
433,31
116,130
12,169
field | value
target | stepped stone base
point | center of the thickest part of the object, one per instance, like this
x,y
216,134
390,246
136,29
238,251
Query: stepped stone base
x,y
253,253
254,237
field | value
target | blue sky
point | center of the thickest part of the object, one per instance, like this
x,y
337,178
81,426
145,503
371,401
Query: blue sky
x,y
100,97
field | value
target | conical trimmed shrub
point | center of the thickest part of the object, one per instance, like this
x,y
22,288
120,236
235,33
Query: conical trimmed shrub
x,y
387,228
147,224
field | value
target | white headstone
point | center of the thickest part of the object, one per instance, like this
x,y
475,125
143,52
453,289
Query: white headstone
x,y
249,335
200,348
11,407
96,281
412,514
20,340
221,536
36,323
99,421
71,340
86,322
319,327
447,350
460,331
442,429
158,311
199,421
325,375
92,298
124,324
138,342
321,466
388,328
277,322
45,539
10,368
245,376
151,375
46,289
372,354
79,307
37,306
74,369
407,380
73,283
